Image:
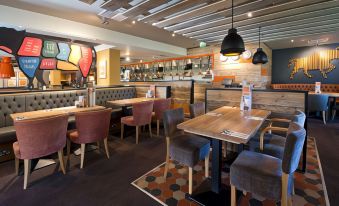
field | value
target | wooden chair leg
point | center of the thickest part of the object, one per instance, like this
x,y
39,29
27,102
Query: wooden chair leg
x,y
136,134
324,116
167,157
68,150
233,196
17,166
122,131
27,170
284,190
190,180
333,114
158,127
150,129
289,201
207,160
224,154
61,160
83,146
106,147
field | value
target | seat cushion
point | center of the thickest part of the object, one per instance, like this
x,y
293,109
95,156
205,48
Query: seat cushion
x,y
16,150
273,145
257,173
73,135
128,120
7,134
188,149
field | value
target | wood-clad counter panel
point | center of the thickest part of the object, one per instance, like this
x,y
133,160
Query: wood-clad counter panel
x,y
180,91
278,102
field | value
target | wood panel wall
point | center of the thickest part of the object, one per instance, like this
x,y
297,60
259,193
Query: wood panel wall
x,y
160,91
286,102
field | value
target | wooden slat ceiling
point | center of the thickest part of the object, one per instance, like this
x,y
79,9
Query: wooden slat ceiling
x,y
209,20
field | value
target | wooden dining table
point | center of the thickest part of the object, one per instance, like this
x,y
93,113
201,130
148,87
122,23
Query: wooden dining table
x,y
125,103
228,124
53,112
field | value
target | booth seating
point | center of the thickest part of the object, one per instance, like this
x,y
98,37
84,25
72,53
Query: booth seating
x,y
31,101
307,87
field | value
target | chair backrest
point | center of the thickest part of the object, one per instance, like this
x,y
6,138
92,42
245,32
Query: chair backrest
x,y
299,117
160,106
293,147
142,112
93,125
197,109
171,119
42,136
317,102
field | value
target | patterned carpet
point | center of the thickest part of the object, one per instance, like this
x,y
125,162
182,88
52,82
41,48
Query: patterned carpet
x,y
309,188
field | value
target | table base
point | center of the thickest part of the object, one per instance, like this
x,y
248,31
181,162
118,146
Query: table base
x,y
204,196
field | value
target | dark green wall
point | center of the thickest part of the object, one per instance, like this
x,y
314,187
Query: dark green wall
x,y
281,72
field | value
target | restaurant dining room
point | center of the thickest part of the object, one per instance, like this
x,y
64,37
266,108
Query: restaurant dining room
x,y
169,102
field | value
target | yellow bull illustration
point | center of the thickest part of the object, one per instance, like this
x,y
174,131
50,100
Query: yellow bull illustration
x,y
322,61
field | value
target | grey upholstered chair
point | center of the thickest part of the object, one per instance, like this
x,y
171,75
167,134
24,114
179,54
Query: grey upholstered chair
x,y
273,144
318,103
266,176
197,109
187,149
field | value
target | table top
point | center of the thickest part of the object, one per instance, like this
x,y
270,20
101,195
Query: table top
x,y
130,102
53,112
331,94
227,123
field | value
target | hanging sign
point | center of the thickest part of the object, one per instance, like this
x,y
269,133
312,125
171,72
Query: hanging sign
x,y
75,55
86,60
29,65
50,49
30,47
66,66
64,51
48,64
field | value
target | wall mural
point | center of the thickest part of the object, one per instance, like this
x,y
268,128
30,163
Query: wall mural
x,y
34,55
319,60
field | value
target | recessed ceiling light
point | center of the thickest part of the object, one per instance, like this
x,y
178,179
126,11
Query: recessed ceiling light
x,y
140,60
173,35
249,14
133,22
292,40
128,59
153,24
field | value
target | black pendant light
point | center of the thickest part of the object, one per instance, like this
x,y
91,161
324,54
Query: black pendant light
x,y
260,56
232,45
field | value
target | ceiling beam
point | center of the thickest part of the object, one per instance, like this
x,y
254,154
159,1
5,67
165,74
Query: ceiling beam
x,y
143,8
113,5
256,22
267,16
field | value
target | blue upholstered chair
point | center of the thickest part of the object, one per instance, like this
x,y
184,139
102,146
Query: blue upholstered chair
x,y
267,176
187,149
273,144
318,103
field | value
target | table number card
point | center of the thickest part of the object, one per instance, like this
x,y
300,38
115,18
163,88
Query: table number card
x,y
246,98
317,87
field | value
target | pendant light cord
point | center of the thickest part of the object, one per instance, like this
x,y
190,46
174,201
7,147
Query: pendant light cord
x,y
259,35
232,14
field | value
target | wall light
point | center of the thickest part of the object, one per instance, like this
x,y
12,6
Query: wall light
x,y
249,14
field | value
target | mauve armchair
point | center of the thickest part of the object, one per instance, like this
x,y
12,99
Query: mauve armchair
x,y
159,107
142,115
318,103
92,126
267,176
38,138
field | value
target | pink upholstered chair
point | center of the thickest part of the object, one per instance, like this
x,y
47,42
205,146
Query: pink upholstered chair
x,y
38,138
142,115
159,107
91,126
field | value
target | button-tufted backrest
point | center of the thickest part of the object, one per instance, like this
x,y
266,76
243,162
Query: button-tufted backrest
x,y
49,100
10,105
109,94
307,87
